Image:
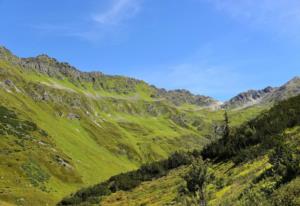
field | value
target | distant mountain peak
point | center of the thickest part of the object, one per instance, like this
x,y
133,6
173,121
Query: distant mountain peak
x,y
4,50
248,98
265,96
6,54
296,79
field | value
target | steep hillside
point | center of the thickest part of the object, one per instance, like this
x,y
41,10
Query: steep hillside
x,y
62,129
101,83
257,163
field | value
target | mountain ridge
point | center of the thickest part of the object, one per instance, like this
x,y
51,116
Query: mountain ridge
x,y
50,66
268,95
53,68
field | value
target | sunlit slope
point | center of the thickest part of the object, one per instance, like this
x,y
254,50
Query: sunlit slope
x,y
94,126
231,185
268,175
97,136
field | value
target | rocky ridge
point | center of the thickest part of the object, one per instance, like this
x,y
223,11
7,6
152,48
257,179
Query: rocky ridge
x,y
268,95
45,65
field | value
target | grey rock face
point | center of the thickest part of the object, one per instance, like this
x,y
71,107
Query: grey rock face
x,y
290,89
248,98
9,83
181,96
72,116
265,96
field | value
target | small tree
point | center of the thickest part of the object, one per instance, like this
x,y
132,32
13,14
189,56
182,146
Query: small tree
x,y
226,125
196,179
286,161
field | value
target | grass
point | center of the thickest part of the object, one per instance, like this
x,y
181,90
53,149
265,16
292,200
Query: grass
x,y
158,192
116,132
231,185
166,190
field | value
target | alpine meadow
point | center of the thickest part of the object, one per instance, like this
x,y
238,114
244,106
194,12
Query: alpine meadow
x,y
181,130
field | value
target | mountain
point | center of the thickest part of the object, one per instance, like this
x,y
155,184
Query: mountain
x,y
249,98
180,97
265,96
290,89
45,65
62,129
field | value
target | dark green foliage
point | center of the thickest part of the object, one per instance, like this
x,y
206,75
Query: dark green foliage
x,y
129,180
10,124
177,159
35,174
287,195
196,177
226,126
286,161
257,133
220,183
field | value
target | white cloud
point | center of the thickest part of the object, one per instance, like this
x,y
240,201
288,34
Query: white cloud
x,y
119,11
98,26
282,16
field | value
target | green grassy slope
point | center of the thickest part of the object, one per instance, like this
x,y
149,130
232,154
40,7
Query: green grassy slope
x,y
260,166
231,185
99,136
91,133
86,129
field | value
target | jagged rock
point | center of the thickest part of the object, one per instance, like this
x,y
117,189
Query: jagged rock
x,y
63,162
8,82
268,95
73,116
9,86
45,96
180,96
6,55
248,98
290,89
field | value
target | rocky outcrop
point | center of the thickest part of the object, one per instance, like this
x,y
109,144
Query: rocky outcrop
x,y
72,116
9,86
268,95
180,96
51,67
290,89
45,65
248,98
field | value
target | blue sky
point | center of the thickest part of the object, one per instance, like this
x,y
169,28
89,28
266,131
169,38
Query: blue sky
x,y
211,47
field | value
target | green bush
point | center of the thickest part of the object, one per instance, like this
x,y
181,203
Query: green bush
x,y
129,180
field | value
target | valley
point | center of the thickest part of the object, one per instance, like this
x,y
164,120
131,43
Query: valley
x,y
62,130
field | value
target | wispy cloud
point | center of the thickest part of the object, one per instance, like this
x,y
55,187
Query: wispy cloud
x,y
101,24
283,16
119,11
